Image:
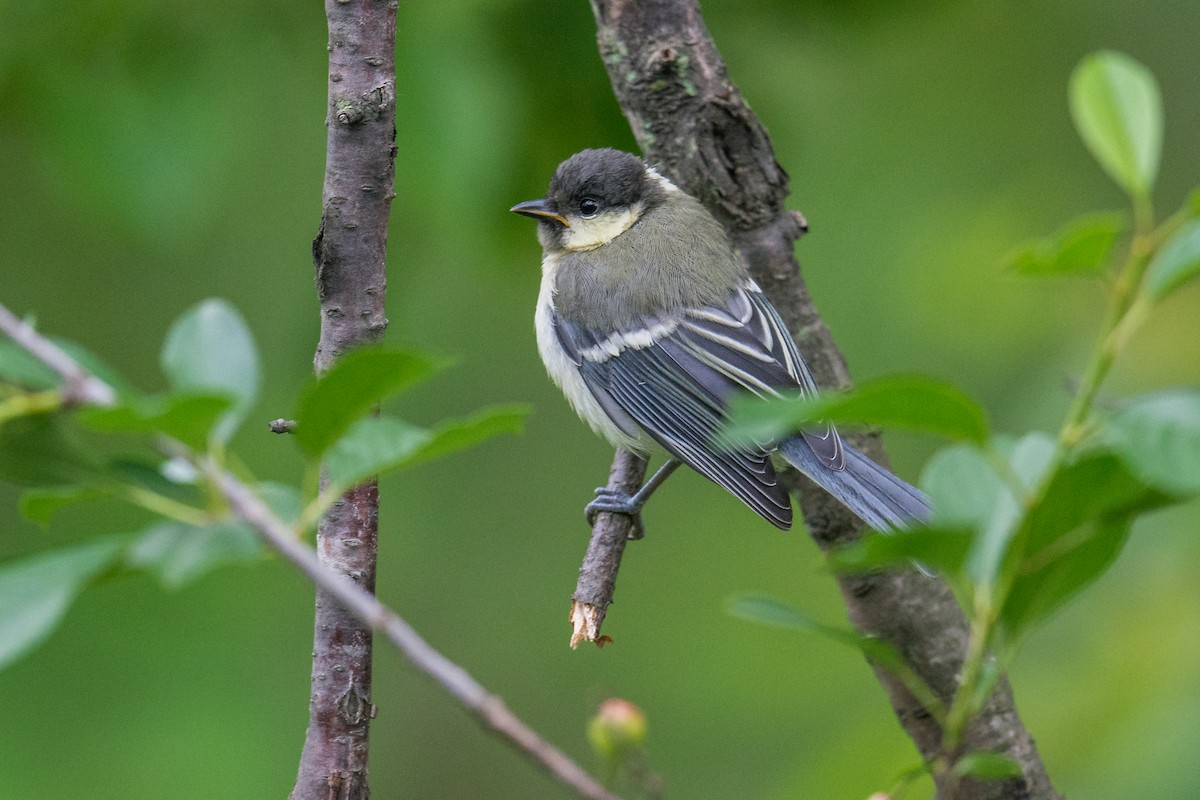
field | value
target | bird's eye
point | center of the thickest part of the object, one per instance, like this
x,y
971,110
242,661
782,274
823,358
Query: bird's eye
x,y
589,207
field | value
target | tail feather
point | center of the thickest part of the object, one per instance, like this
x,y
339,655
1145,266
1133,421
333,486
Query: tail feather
x,y
875,495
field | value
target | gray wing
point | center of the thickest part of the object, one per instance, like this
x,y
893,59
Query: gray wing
x,y
747,343
675,376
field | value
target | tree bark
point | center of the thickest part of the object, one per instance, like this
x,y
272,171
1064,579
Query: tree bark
x,y
349,255
598,574
692,122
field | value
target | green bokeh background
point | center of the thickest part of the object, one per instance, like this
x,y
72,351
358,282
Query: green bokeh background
x,y
154,153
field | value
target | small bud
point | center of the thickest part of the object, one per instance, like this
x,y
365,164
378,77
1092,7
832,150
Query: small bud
x,y
618,727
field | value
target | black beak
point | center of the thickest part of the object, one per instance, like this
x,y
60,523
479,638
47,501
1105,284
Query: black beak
x,y
540,209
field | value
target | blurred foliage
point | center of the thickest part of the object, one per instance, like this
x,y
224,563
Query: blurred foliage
x,y
174,445
156,153
1018,528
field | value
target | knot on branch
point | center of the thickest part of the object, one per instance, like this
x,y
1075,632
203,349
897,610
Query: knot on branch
x,y
369,106
768,248
739,173
354,706
663,74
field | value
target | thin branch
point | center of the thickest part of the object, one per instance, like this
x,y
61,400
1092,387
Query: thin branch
x,y
692,122
365,607
79,385
598,574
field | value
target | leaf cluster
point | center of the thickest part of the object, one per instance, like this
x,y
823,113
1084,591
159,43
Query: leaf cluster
x,y
144,450
1021,524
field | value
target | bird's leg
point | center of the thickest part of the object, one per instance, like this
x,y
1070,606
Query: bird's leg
x,y
618,502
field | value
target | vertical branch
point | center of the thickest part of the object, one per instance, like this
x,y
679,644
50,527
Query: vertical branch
x,y
349,255
692,121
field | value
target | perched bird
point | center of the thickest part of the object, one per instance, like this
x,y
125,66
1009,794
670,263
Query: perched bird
x,y
649,322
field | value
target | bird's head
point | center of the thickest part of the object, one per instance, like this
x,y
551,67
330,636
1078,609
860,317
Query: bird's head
x,y
594,197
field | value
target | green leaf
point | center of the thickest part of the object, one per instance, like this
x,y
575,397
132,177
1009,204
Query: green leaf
x,y
40,450
376,445
95,365
966,492
187,417
1158,436
1074,534
1096,485
371,446
18,367
914,403
209,351
1117,110
351,388
37,590
1081,247
1051,578
40,505
962,487
22,403
454,435
284,500
1176,263
987,766
940,549
1028,462
768,611
117,478
179,554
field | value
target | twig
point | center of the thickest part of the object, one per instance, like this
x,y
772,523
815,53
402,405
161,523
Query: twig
x,y
79,385
598,574
693,123
489,708
365,607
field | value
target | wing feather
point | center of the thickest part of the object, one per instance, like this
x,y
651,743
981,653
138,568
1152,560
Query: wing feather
x,y
680,415
675,376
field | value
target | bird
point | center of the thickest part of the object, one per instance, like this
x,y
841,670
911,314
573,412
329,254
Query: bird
x,y
650,323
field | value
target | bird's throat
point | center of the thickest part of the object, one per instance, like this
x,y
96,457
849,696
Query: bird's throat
x,y
588,234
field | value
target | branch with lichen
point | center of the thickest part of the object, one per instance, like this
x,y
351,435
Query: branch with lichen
x,y
694,125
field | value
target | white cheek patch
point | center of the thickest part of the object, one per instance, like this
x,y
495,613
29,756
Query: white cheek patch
x,y
588,234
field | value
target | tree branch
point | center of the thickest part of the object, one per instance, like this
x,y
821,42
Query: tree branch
x,y
349,255
79,385
367,609
598,575
692,121
348,594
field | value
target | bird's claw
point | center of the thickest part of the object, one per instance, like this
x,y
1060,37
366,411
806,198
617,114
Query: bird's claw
x,y
615,501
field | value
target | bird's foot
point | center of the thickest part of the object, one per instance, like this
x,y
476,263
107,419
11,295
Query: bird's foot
x,y
615,501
